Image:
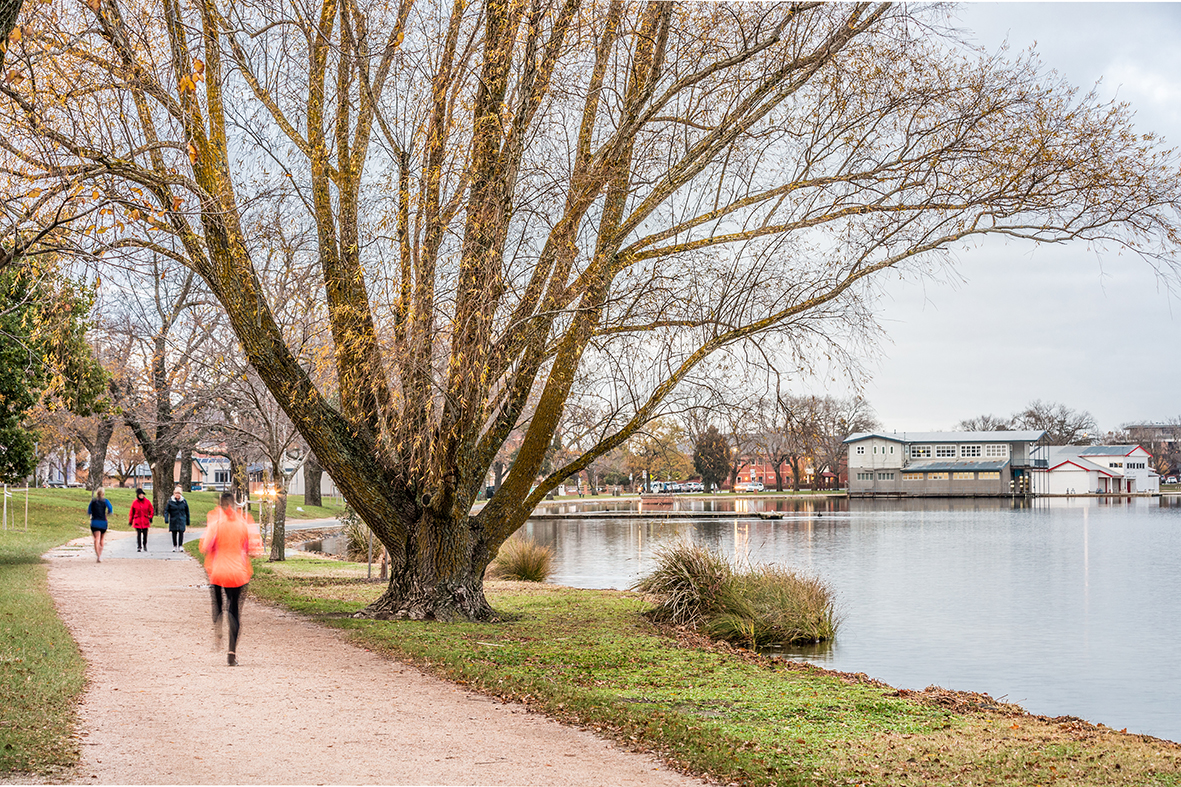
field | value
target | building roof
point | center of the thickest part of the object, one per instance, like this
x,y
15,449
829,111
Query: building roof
x,y
1091,467
1108,450
945,466
1058,451
1030,436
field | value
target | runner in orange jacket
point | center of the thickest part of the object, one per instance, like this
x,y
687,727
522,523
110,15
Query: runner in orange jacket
x,y
230,540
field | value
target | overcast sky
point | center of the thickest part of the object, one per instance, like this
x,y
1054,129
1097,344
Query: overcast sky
x,y
1057,323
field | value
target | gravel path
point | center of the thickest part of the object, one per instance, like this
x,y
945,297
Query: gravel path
x,y
303,707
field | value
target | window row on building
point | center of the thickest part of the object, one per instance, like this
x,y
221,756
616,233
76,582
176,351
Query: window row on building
x,y
991,451
988,475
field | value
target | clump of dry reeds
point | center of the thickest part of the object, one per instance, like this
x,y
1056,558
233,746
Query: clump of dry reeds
x,y
522,559
759,607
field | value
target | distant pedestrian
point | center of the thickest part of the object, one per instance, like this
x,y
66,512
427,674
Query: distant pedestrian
x,y
99,508
230,539
176,516
140,517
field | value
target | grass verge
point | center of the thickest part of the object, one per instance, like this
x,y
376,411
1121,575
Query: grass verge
x,y
41,671
591,658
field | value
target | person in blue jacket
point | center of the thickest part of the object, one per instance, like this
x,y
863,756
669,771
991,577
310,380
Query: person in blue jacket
x,y
176,516
100,507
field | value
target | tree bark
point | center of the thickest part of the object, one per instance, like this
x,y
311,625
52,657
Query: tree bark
x,y
163,472
186,469
239,483
313,476
430,582
279,531
98,453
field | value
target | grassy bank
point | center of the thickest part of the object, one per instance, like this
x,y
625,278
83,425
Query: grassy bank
x,y
590,658
41,671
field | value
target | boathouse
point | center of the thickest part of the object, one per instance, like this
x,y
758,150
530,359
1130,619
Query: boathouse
x,y
941,464
1096,470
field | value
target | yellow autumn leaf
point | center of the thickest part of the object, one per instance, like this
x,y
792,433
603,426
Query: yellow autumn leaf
x,y
198,67
192,153
186,84
14,36
34,193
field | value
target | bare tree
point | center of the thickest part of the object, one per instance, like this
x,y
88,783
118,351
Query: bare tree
x,y
512,199
1062,425
835,419
984,423
162,386
258,425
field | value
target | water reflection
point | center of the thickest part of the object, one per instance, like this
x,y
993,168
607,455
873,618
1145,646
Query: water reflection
x,y
1065,605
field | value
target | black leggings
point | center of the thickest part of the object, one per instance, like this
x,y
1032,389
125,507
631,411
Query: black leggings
x,y
233,600
141,537
178,538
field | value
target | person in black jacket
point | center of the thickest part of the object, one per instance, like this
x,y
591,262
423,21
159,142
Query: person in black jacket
x,y
99,508
176,516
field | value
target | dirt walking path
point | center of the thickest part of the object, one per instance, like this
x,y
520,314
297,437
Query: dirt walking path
x,y
303,707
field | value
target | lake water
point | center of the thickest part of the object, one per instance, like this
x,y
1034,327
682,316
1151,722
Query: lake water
x,y
1065,606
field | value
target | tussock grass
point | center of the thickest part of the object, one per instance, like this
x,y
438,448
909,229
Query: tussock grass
x,y
763,606
522,560
771,605
690,584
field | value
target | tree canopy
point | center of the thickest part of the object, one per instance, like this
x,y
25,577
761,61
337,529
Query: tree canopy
x,y
517,204
711,458
43,352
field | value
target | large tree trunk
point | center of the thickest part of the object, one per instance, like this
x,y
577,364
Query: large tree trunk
x,y
239,483
163,472
279,531
313,476
432,582
186,469
778,475
98,453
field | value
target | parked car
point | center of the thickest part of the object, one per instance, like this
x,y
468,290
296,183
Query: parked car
x,y
694,486
749,486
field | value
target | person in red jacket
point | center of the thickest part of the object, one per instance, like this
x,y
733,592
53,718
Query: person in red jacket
x,y
230,539
140,517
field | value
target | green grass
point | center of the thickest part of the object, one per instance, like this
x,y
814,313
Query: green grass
x,y
41,671
327,511
591,658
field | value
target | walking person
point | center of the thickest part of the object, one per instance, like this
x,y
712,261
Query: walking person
x,y
140,518
230,539
99,508
176,516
